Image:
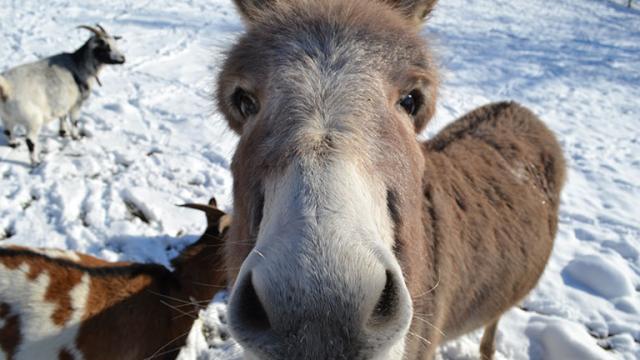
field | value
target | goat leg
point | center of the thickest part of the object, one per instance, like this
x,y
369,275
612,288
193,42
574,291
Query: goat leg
x,y
13,143
33,129
74,116
63,126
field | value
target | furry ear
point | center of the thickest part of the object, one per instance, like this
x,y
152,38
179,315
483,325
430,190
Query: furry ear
x,y
416,10
250,9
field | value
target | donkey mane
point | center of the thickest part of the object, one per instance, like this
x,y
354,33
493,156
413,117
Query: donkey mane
x,y
545,164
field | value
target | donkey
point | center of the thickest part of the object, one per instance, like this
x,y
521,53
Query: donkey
x,y
350,238
66,305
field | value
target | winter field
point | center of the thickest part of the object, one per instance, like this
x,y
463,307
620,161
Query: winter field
x,y
154,139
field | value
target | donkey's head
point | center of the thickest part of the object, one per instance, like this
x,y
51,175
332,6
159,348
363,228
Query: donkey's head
x,y
327,97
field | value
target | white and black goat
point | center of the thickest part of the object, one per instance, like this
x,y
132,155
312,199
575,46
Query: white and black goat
x,y
54,88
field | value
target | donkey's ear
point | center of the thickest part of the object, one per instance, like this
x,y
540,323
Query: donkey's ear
x,y
416,10
251,9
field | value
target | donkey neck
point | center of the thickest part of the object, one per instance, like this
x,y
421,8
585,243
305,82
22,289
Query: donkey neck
x,y
436,219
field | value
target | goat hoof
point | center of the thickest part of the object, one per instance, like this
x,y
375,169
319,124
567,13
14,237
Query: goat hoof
x,y
62,133
14,145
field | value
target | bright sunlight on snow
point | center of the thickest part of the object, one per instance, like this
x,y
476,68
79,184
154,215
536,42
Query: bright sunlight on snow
x,y
154,139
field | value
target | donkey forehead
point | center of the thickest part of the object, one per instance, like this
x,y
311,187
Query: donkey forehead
x,y
325,79
341,38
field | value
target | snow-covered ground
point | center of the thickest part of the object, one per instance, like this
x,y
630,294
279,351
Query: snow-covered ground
x,y
155,140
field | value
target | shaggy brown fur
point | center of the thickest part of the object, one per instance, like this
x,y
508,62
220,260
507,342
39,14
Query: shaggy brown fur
x,y
474,209
491,195
132,311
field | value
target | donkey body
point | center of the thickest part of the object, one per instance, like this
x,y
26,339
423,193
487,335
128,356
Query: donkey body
x,y
351,239
491,196
66,305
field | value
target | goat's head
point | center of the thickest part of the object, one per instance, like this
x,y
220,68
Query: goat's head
x,y
217,220
199,265
103,46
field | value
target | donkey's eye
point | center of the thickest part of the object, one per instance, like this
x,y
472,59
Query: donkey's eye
x,y
245,103
412,102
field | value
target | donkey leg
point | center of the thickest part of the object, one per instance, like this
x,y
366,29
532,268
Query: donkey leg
x,y
488,342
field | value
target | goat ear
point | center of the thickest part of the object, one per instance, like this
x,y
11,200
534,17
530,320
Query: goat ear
x,y
224,224
415,10
251,9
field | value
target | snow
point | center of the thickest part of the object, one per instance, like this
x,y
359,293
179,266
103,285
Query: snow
x,y
564,340
154,140
600,276
209,337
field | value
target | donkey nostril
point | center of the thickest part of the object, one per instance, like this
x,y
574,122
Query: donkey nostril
x,y
251,313
387,303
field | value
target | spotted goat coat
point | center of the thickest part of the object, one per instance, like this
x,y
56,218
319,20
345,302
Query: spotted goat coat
x,y
68,305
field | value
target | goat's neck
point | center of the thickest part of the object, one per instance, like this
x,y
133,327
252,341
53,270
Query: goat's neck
x,y
87,66
199,270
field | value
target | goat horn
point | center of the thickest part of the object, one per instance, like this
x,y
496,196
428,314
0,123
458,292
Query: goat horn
x,y
90,28
212,212
104,32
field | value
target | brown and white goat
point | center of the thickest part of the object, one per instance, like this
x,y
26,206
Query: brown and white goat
x,y
350,238
66,305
